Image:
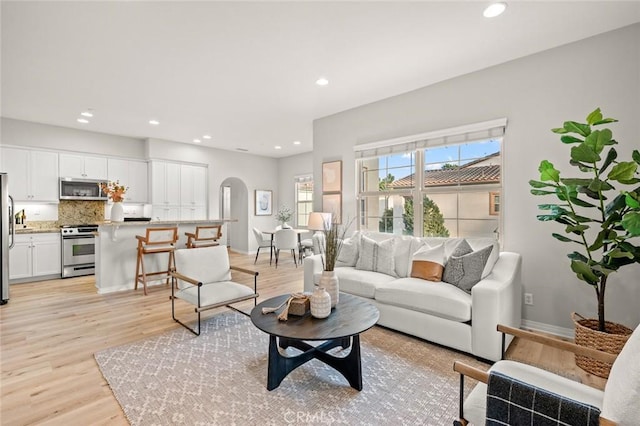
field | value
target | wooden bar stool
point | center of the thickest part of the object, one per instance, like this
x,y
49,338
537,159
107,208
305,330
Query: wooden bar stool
x,y
205,236
156,240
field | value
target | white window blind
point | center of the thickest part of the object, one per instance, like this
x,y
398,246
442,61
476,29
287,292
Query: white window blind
x,y
452,135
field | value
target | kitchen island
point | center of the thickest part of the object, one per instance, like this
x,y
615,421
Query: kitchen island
x,y
116,251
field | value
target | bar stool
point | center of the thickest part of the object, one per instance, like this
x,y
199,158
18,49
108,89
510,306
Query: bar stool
x,y
205,236
156,240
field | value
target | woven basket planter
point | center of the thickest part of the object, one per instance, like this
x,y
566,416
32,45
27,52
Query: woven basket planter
x,y
612,341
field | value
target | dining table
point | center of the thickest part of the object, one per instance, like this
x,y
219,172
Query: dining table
x,y
299,232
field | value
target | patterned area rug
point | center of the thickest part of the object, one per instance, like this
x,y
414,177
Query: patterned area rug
x,y
219,378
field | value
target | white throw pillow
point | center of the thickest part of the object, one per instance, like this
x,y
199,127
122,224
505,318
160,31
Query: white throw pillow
x,y
376,257
428,263
402,255
348,255
621,401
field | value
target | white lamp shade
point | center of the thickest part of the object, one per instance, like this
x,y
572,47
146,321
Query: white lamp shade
x,y
319,221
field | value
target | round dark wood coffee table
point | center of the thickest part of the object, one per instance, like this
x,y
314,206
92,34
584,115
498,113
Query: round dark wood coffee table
x,y
351,316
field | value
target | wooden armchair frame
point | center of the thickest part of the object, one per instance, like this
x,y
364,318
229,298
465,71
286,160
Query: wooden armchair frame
x,y
199,308
483,376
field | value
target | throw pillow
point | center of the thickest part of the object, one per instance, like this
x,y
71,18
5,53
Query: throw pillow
x,y
348,253
453,271
466,271
376,257
428,263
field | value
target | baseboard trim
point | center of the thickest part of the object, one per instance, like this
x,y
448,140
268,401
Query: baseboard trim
x,y
548,328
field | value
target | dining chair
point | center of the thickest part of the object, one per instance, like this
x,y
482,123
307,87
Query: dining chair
x,y
286,239
262,243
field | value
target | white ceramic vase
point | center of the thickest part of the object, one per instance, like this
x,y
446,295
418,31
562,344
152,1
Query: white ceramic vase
x,y
117,212
329,281
320,303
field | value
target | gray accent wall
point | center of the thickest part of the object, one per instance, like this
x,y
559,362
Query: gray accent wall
x,y
535,93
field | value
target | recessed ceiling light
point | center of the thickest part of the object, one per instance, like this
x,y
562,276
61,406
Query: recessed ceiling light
x,y
277,147
83,120
154,122
297,142
322,81
206,137
494,9
197,141
87,113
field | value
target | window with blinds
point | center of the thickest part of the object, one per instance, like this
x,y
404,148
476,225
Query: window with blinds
x,y
304,199
449,181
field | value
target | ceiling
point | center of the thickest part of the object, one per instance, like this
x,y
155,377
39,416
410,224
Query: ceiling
x,y
244,72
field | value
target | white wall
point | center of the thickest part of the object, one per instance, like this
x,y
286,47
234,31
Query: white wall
x,y
288,169
37,135
535,93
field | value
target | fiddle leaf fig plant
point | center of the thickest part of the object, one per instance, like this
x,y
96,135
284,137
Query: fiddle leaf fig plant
x,y
600,209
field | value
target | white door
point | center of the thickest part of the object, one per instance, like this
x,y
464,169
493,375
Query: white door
x,y
138,182
72,165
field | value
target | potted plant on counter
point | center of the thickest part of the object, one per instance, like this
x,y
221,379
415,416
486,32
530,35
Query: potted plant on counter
x,y
115,192
600,221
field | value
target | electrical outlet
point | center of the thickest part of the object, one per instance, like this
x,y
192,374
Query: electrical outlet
x,y
528,299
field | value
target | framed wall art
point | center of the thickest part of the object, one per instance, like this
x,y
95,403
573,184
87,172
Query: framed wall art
x,y
264,202
332,203
332,176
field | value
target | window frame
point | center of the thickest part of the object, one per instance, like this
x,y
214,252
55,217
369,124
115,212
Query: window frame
x,y
298,182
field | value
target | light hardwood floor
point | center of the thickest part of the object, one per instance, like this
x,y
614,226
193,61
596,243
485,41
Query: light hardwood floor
x,y
51,329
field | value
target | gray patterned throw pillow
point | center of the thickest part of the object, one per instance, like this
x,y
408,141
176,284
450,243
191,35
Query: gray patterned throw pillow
x,y
466,270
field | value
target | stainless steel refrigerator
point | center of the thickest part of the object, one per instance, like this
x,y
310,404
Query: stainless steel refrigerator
x,y
7,234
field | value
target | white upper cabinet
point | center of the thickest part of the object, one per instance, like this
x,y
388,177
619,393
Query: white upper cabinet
x,y
33,174
133,174
83,166
165,183
193,182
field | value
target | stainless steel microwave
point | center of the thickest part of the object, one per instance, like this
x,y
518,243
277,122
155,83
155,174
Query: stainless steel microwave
x,y
81,189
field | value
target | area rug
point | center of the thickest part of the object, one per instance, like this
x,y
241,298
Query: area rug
x,y
219,378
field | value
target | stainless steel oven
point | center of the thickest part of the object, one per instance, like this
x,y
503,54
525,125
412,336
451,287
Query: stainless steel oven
x,y
78,250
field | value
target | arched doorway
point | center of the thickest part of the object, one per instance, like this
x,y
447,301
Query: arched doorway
x,y
234,204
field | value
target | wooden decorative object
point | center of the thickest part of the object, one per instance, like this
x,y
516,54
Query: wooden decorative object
x,y
299,307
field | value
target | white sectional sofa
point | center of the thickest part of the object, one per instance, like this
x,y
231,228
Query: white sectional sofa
x,y
436,311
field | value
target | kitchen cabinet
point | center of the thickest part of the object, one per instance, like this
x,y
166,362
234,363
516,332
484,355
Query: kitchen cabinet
x,y
33,174
161,212
193,213
193,184
133,174
35,255
83,166
165,183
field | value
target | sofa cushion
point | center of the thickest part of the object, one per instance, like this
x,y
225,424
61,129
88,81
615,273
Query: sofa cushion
x,y
480,243
428,263
622,391
471,265
357,282
376,256
402,255
348,255
435,298
453,271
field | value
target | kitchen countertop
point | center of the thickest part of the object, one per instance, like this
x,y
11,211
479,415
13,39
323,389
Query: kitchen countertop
x,y
37,230
166,222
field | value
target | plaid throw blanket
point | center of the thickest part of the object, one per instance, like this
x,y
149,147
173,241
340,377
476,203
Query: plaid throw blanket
x,y
512,402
